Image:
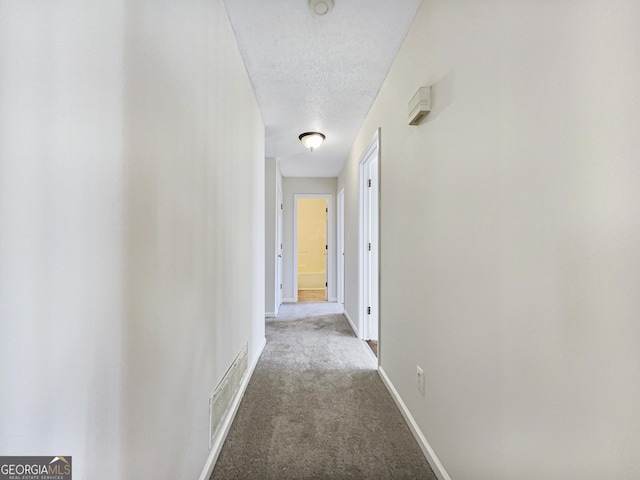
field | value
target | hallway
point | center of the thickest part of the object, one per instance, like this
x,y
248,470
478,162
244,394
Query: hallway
x,y
316,408
148,194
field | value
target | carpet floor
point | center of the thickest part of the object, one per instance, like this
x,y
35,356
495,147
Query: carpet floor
x,y
316,408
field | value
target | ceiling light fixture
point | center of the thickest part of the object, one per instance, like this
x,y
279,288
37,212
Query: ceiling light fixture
x,y
312,140
320,7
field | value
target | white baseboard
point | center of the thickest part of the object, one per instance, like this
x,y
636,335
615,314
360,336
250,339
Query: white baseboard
x,y
288,300
333,300
353,326
428,452
270,314
221,436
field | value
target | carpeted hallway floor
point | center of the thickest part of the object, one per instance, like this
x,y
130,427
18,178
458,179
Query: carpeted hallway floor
x,y
316,408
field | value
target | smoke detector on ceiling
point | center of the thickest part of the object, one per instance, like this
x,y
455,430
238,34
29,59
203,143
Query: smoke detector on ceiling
x,y
320,7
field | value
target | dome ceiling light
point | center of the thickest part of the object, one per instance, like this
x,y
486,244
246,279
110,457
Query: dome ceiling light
x,y
312,140
320,7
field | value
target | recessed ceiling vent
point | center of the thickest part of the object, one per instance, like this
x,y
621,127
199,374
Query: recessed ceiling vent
x,y
320,7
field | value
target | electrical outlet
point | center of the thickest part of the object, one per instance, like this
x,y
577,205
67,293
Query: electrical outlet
x,y
420,379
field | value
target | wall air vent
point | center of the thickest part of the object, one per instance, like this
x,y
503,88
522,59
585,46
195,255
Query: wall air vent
x,y
223,395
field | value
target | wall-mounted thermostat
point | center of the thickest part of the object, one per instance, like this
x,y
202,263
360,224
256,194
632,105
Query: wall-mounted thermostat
x,y
420,105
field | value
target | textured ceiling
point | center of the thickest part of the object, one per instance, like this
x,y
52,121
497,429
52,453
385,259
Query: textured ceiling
x,y
314,73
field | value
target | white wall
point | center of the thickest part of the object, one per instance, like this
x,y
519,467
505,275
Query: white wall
x,y
273,182
61,232
299,185
509,236
131,230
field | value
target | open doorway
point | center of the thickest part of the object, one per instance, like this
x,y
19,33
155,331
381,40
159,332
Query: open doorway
x,y
311,247
369,245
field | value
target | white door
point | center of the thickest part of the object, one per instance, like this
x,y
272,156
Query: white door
x,y
279,251
373,248
326,252
369,191
340,238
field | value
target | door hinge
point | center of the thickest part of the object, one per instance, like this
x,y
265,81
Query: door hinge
x,y
369,246
369,182
326,247
326,284
368,310
280,286
326,210
281,207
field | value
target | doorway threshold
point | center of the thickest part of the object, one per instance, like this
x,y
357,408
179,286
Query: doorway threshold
x,y
373,345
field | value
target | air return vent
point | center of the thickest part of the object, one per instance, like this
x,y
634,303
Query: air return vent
x,y
223,395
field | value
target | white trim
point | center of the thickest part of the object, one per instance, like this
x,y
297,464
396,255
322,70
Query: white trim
x,y
332,300
353,326
279,250
364,207
428,452
330,247
288,300
223,431
340,247
270,314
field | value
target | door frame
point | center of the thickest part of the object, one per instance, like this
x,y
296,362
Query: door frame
x,y
340,247
279,249
369,293
329,268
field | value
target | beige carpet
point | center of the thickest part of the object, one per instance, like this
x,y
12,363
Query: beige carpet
x,y
301,310
316,409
